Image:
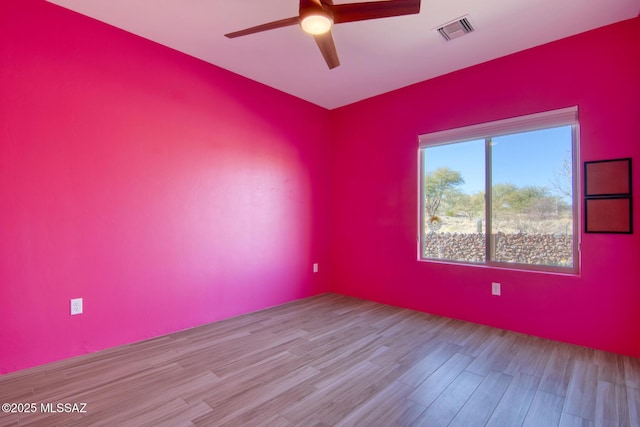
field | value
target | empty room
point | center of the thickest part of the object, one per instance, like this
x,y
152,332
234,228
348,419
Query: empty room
x,y
319,213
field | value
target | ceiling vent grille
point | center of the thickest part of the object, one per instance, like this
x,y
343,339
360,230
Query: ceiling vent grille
x,y
455,29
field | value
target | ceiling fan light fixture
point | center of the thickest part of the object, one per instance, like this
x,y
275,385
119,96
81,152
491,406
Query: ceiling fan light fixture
x,y
316,23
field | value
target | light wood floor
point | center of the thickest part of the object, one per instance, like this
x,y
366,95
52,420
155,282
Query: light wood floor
x,y
332,360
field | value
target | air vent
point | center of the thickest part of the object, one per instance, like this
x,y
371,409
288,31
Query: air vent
x,y
455,29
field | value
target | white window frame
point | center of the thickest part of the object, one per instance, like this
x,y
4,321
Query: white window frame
x,y
538,121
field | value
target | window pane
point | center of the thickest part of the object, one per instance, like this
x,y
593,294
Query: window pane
x,y
532,198
453,206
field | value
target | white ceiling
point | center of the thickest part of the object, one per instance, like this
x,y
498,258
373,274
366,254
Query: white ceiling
x,y
376,56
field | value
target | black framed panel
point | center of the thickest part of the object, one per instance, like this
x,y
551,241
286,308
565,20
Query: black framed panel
x,y
608,215
607,178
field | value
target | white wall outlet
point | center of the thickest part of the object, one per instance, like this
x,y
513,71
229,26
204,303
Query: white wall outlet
x,y
76,306
315,267
495,289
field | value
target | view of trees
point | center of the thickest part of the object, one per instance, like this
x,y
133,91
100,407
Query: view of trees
x,y
524,207
440,184
530,224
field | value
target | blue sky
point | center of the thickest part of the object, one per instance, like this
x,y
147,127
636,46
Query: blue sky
x,y
529,158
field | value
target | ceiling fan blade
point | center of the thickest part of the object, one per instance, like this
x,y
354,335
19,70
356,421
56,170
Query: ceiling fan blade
x,y
373,10
328,49
264,27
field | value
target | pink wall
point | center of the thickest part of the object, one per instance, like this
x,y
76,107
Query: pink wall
x,y
155,186
374,191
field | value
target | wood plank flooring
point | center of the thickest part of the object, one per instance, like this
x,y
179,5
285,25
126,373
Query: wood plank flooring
x,y
332,360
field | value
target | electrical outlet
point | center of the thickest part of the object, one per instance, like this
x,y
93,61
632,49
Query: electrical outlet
x,y
495,289
315,267
76,306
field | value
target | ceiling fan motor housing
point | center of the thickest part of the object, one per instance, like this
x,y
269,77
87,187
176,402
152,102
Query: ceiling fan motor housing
x,y
316,18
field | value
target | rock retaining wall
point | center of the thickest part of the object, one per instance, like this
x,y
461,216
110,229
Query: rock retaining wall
x,y
543,249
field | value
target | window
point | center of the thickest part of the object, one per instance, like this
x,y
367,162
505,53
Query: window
x,y
502,193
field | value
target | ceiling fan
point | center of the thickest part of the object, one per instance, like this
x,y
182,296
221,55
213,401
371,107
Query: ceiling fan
x,y
318,16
